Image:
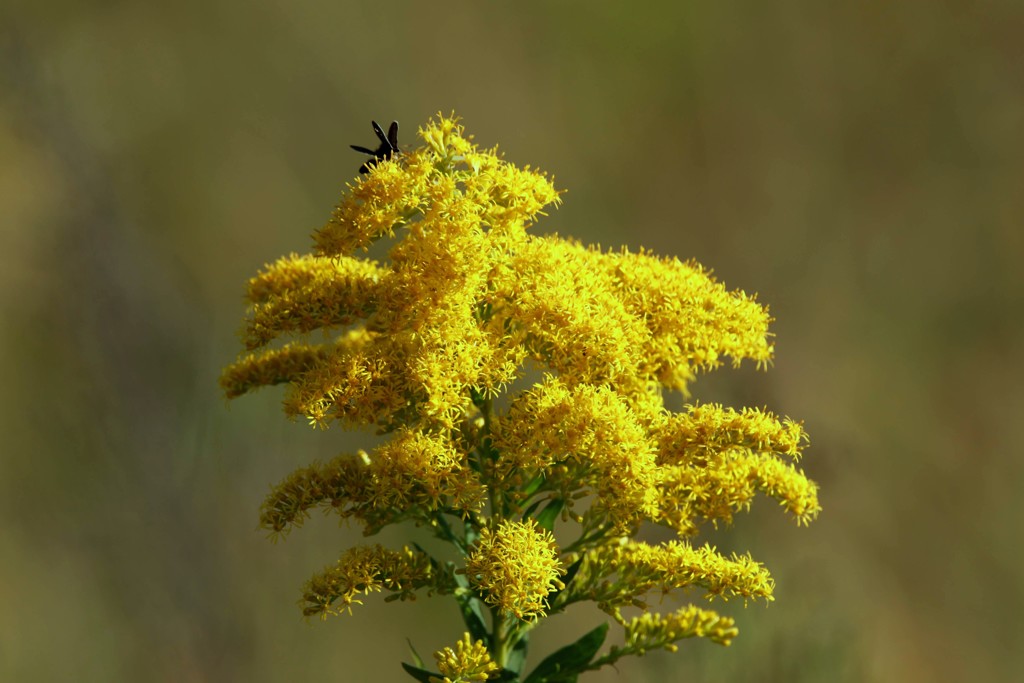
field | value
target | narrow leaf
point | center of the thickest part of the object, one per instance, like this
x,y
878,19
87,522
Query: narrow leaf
x,y
546,518
570,574
470,534
517,657
472,614
415,655
533,507
564,665
469,606
534,485
421,675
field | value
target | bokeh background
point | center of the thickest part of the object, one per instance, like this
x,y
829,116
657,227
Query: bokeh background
x,y
859,165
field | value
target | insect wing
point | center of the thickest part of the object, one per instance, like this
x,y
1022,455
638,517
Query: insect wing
x,y
385,143
393,135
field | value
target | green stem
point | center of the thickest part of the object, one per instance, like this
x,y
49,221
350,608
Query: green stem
x,y
488,456
444,531
507,637
501,644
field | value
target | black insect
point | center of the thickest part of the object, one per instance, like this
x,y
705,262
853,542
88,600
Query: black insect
x,y
388,146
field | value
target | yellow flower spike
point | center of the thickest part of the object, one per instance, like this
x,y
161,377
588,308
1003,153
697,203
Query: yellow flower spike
x,y
693,320
378,203
418,470
714,459
299,294
652,630
363,570
278,366
623,573
340,485
359,382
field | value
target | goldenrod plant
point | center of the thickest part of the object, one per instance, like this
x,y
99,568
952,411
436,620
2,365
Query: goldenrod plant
x,y
519,382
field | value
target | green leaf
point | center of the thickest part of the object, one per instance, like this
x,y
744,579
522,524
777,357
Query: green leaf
x,y
533,507
546,518
421,675
565,665
472,614
534,485
570,574
504,677
469,606
517,657
415,655
470,534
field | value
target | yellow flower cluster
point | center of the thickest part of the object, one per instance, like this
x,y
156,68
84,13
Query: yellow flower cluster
x,y
422,344
415,472
469,662
652,630
467,295
580,438
515,568
299,294
712,461
364,570
621,574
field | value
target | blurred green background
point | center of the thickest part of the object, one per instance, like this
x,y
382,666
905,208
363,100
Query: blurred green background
x,y
859,165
